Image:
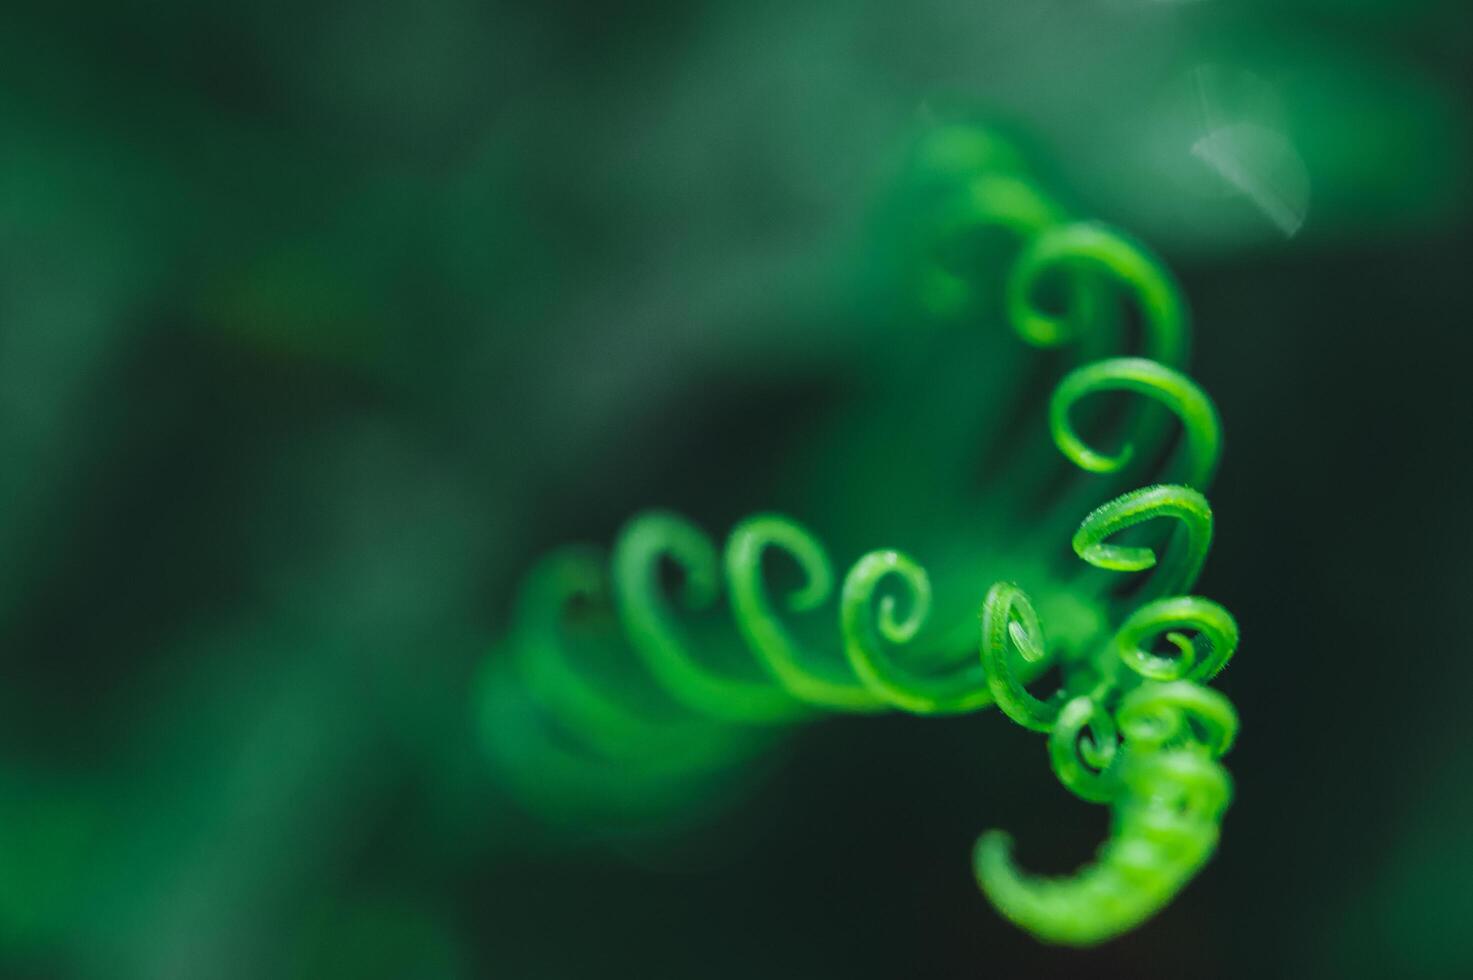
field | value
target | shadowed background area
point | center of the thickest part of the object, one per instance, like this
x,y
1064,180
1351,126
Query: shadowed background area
x,y
320,322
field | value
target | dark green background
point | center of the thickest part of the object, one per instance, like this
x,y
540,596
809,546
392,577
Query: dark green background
x,y
319,322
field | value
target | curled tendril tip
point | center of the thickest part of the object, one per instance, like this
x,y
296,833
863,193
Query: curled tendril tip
x,y
625,679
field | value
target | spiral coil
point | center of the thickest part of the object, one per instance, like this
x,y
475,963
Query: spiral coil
x,y
1131,724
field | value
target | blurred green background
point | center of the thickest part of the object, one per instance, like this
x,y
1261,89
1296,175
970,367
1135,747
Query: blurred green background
x,y
319,322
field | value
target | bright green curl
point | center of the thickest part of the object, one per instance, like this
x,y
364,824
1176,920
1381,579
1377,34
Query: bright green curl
x,y
1167,794
814,680
657,637
1175,391
1143,738
722,657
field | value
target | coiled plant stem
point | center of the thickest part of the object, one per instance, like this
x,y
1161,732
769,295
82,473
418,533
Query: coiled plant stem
x,y
637,702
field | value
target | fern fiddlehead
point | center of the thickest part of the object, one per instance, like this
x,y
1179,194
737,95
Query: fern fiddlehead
x,y
1130,724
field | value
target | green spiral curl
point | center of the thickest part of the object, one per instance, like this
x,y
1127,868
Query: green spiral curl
x,y
1081,746
1010,624
1217,636
1166,816
1093,247
1005,202
804,676
1174,390
627,687
871,628
588,708
1185,553
1145,741
656,636
1178,713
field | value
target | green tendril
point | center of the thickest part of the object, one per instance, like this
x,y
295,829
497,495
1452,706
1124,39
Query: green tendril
x,y
580,701
1130,726
1082,745
999,201
1167,824
655,634
1091,246
803,675
1011,631
1152,758
1178,393
871,629
1156,716
1167,811
1198,659
1186,552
